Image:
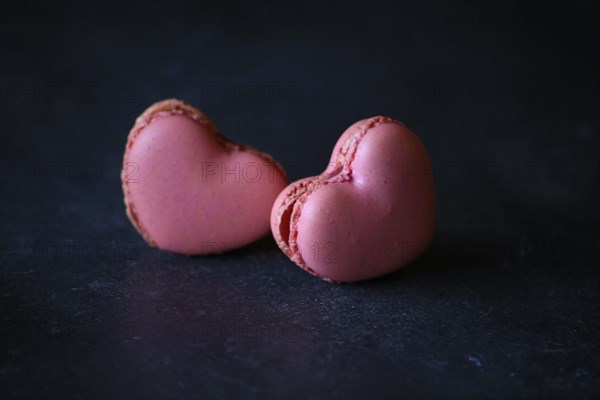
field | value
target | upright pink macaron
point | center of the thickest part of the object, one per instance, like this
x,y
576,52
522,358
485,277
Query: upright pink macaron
x,y
190,190
370,213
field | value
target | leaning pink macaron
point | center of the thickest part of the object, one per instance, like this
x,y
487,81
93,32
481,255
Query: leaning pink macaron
x,y
190,190
370,213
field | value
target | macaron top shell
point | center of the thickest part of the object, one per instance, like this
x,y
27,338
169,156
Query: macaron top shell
x,y
194,191
365,216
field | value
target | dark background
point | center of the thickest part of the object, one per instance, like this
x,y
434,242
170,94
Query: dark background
x,y
504,304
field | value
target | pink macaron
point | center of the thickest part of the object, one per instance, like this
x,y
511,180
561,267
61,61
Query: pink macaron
x,y
371,212
190,190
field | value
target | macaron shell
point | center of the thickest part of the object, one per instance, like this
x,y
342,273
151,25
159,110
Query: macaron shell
x,y
194,193
331,239
370,215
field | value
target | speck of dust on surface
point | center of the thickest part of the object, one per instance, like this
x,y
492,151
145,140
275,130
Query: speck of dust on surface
x,y
474,360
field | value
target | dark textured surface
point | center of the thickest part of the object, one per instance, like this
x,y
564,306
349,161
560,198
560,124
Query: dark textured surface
x,y
504,305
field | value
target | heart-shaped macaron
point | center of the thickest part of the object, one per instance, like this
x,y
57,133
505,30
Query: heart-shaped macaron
x,y
190,190
370,213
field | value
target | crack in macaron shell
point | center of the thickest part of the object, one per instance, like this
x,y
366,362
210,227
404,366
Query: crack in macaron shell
x,y
189,197
328,195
